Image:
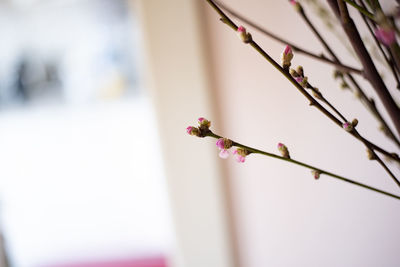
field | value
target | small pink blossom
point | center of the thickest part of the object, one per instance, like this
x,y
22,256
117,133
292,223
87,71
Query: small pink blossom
x,y
201,119
224,144
293,2
241,154
224,154
386,36
239,158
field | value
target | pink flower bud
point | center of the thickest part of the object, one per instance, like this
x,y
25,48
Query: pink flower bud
x,y
386,36
189,129
220,143
303,81
193,131
204,124
286,57
295,4
241,154
316,174
243,35
224,144
348,126
284,150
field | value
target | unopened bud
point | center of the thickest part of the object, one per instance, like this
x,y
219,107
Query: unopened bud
x,y
224,143
317,94
286,57
296,5
344,85
337,74
294,73
204,123
283,150
193,131
316,174
303,81
300,71
354,122
370,154
347,126
243,34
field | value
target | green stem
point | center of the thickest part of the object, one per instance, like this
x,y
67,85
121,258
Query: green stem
x,y
321,171
361,9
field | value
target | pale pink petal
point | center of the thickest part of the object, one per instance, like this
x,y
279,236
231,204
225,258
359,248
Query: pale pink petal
x,y
224,154
240,158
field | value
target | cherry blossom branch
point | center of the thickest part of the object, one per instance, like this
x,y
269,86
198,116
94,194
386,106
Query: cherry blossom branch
x,y
338,65
246,38
386,33
340,9
243,150
369,103
371,29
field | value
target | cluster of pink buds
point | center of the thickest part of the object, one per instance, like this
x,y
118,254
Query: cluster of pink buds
x,y
283,150
224,144
241,154
193,131
316,174
243,34
286,57
202,130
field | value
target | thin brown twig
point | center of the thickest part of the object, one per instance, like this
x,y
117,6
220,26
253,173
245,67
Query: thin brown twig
x,y
371,25
371,72
296,48
370,104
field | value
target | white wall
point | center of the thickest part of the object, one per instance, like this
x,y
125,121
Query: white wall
x,y
283,216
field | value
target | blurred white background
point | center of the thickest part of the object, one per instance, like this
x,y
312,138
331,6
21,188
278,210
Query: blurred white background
x,y
81,175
